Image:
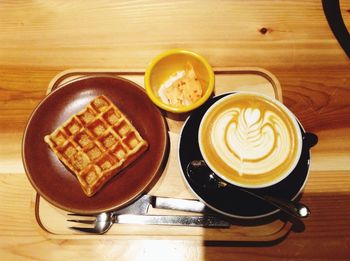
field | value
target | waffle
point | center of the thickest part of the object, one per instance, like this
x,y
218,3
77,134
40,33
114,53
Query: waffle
x,y
96,143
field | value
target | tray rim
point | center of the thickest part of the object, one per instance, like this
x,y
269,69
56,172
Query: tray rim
x,y
58,78
88,72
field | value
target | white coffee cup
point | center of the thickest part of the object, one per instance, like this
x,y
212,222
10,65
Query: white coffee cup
x,y
250,140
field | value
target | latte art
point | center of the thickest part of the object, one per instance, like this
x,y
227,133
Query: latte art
x,y
250,140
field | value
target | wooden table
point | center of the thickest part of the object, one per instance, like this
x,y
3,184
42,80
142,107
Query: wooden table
x,y
290,39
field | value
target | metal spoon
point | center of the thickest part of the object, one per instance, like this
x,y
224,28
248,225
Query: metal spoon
x,y
201,174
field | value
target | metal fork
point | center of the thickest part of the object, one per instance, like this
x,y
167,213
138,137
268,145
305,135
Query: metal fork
x,y
102,222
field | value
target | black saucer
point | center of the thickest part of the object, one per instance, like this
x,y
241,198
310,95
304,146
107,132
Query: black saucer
x,y
230,201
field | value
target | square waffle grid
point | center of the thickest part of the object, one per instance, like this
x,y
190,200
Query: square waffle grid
x,y
96,143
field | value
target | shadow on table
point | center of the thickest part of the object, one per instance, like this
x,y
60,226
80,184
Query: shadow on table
x,y
329,219
292,224
296,226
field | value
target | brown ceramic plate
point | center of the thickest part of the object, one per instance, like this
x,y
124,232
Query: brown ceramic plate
x,y
57,184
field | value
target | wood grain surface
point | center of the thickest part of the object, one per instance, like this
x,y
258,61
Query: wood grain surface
x,y
39,39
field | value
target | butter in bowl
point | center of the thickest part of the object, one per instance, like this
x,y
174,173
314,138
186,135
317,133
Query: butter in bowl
x,y
179,81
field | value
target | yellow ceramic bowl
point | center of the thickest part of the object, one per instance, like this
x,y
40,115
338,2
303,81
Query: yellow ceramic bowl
x,y
167,64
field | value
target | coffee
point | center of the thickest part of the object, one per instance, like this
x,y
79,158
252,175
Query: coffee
x,y
250,140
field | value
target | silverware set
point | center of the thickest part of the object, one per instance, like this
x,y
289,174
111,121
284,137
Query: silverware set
x,y
137,213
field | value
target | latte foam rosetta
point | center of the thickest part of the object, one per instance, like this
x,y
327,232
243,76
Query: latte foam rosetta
x,y
251,140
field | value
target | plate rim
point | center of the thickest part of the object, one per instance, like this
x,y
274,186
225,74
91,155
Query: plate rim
x,y
298,193
158,167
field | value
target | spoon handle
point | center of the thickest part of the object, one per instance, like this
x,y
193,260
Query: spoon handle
x,y
198,172
293,208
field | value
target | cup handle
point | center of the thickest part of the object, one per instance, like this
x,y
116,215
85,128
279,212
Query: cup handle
x,y
310,139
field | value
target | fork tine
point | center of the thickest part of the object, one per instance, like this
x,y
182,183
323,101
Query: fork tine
x,y
82,221
84,229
